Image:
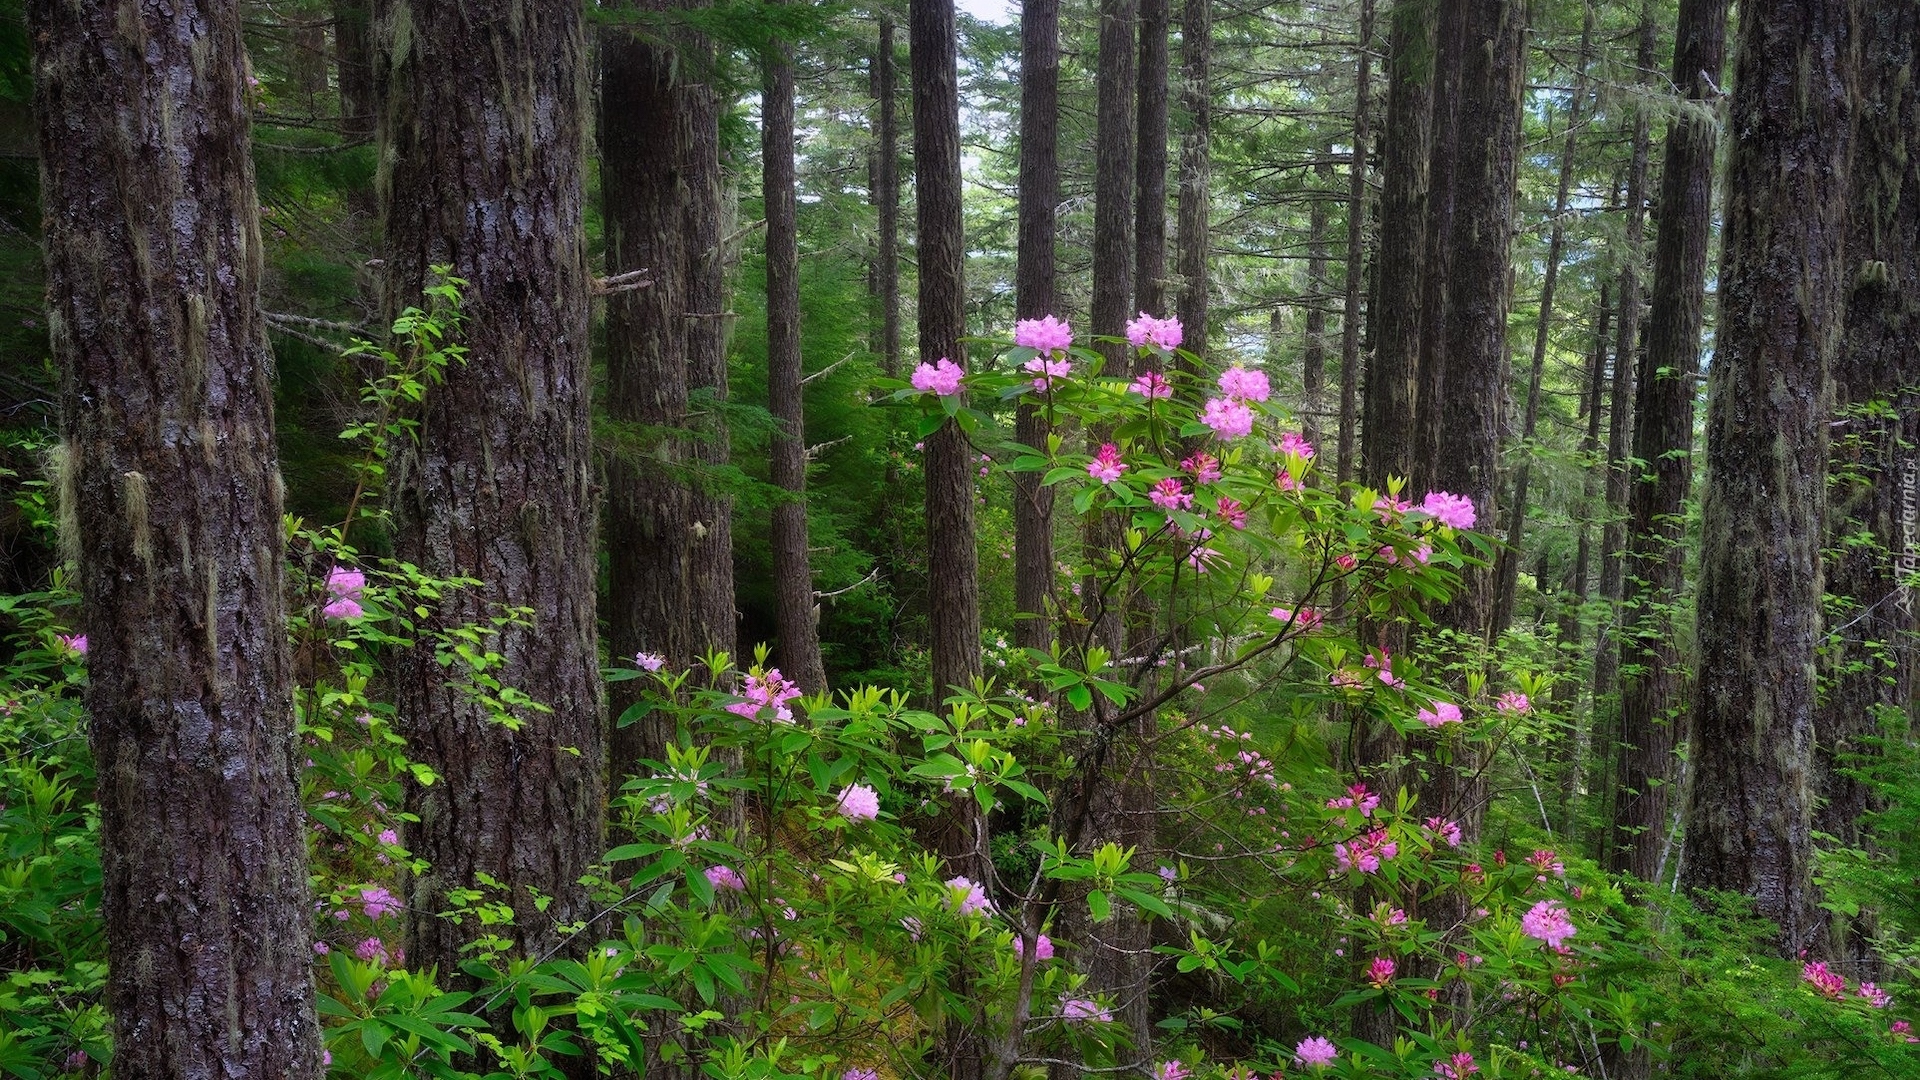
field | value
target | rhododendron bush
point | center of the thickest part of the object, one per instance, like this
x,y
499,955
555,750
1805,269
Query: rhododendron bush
x,y
773,907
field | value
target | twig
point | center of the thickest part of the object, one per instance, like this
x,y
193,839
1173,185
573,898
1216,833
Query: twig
x,y
827,370
871,574
817,449
622,282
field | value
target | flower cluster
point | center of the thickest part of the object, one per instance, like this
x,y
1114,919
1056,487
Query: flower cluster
x,y
1315,1052
1107,466
343,592
1443,712
1149,332
1367,852
941,377
1548,922
770,690
1045,334
858,802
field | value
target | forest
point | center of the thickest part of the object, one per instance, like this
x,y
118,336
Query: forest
x,y
872,540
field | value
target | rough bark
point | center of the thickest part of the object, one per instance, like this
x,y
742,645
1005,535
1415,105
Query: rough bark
x,y
1113,182
1150,162
1782,286
645,207
1437,273
798,648
1869,678
1356,243
1313,357
171,480
1034,297
353,61
481,167
711,617
1507,571
1653,679
1196,170
886,197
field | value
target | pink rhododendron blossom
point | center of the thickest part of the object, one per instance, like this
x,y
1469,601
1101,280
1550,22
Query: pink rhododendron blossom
x,y
1458,1067
1158,333
377,902
1315,1052
1306,618
1042,947
1228,418
1382,662
726,877
1828,983
860,1074
1045,334
1380,972
1366,853
1442,829
1082,1010
1232,512
1151,386
389,838
1204,467
858,802
1443,712
1240,384
1875,996
1106,466
1514,702
1293,445
1046,371
372,950
766,691
343,587
1547,862
968,898
1904,1030
76,642
1548,922
1169,495
1453,511
1346,562
1387,915
1172,1070
941,377
649,661
1388,508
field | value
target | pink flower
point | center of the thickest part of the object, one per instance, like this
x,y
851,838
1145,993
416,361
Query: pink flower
x,y
1382,662
1045,334
1159,333
1204,467
1380,972
1239,384
1366,853
968,898
1346,562
1042,947
344,587
389,838
1828,983
1453,511
858,802
76,642
1168,495
1546,862
1081,1010
1875,996
860,1074
1172,1070
1106,466
649,661
1442,829
1047,370
378,902
1443,712
1228,418
1548,922
1905,1030
1305,618
1293,445
1151,386
1232,512
1387,915
1458,1067
941,377
726,877
1315,1052
1388,508
371,950
1514,702
766,691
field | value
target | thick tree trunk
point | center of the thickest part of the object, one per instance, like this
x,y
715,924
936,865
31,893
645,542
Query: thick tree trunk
x,y
353,59
1313,357
1356,243
1870,679
1508,567
1196,170
1150,171
1035,296
886,196
793,602
1436,275
1782,281
1653,686
172,479
711,617
648,517
481,168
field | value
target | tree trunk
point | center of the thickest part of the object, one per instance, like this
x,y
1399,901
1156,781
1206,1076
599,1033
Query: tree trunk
x,y
1034,297
172,478
1782,285
353,57
1436,275
1508,567
712,621
886,197
1150,199
645,207
1654,684
1196,169
1356,243
1870,681
793,601
481,172
1313,363
1566,691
